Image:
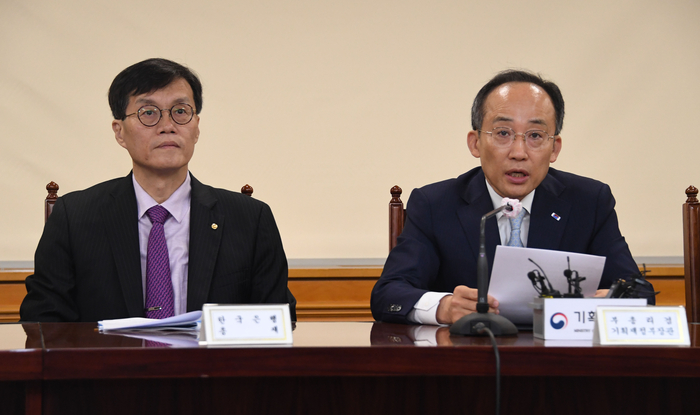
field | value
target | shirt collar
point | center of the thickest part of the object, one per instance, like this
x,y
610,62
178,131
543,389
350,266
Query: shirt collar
x,y
496,199
177,204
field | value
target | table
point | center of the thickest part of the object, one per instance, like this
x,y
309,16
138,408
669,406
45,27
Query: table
x,y
20,368
344,368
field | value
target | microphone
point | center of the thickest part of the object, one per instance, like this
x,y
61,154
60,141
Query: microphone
x,y
568,272
573,281
547,291
499,325
537,281
482,263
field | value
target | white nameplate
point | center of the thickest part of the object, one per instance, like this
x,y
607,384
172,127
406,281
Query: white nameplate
x,y
658,326
571,318
264,324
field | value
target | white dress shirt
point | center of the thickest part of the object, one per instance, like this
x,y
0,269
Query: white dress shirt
x,y
425,309
177,237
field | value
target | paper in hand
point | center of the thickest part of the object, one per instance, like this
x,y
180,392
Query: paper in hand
x,y
513,289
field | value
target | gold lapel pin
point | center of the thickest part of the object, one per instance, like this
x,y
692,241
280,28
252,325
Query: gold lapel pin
x,y
214,226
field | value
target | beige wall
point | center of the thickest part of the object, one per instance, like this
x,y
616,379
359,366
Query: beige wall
x,y
322,106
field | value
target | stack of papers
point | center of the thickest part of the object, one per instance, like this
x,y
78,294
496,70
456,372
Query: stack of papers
x,y
187,321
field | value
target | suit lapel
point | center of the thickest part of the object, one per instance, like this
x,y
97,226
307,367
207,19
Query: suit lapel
x,y
121,228
478,203
206,228
546,231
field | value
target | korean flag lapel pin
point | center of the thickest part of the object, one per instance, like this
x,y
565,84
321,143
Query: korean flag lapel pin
x,y
555,216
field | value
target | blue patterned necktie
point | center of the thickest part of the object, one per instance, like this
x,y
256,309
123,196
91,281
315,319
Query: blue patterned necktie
x,y
159,287
515,224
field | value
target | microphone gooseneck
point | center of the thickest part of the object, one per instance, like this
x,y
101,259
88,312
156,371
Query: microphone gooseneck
x,y
482,264
473,324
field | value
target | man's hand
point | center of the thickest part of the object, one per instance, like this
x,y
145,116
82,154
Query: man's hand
x,y
601,293
460,303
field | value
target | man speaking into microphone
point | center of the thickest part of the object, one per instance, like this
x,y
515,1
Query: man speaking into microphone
x,y
430,276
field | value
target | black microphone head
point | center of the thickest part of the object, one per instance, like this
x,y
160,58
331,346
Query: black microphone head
x,y
567,272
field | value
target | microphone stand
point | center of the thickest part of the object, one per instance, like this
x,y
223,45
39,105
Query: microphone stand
x,y
573,281
473,324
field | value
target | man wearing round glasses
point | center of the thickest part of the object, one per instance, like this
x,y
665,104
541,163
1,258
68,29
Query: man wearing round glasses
x,y
430,276
157,242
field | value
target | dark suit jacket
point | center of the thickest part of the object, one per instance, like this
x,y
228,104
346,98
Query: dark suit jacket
x,y
440,242
87,264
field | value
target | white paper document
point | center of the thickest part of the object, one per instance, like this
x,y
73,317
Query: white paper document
x,y
183,320
513,289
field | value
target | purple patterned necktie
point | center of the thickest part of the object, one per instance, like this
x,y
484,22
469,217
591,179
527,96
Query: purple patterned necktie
x,y
159,287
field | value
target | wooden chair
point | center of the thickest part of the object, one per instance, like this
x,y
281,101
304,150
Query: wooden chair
x,y
247,190
52,189
50,200
691,253
397,216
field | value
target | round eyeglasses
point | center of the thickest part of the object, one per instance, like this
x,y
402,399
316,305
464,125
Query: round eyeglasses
x,y
505,136
150,115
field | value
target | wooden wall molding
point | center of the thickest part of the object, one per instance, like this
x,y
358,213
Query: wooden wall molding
x,y
340,293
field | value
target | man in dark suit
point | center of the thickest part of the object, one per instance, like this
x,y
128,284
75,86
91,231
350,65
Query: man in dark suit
x,y
430,276
222,247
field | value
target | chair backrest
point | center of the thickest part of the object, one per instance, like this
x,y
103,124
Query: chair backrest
x,y
247,190
691,253
52,189
397,216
